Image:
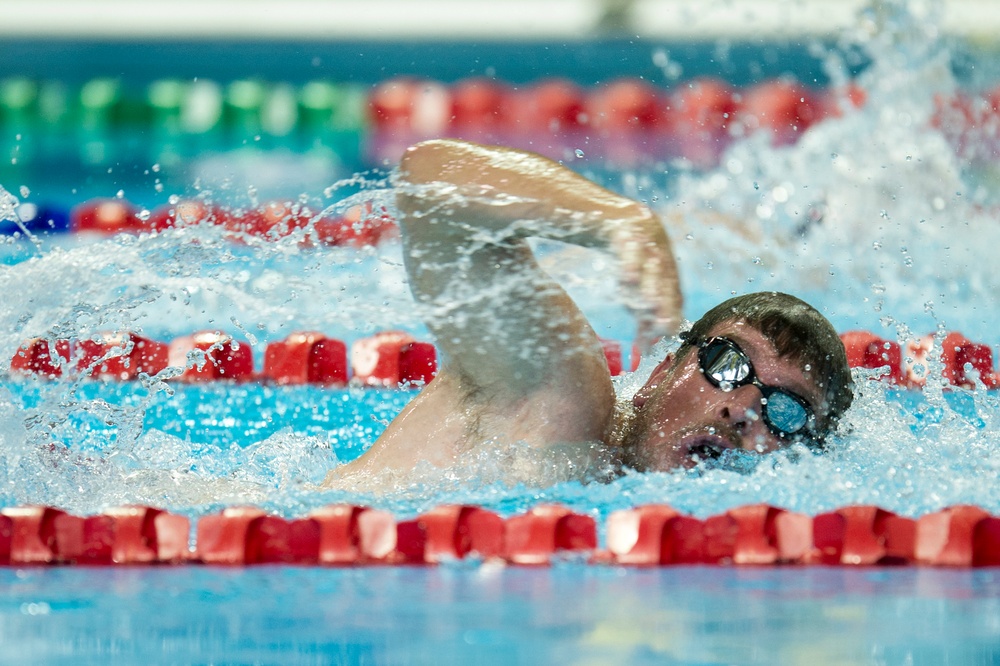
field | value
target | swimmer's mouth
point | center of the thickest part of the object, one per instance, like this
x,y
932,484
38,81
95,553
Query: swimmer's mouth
x,y
706,447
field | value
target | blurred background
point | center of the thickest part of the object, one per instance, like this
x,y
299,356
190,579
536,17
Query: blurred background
x,y
151,99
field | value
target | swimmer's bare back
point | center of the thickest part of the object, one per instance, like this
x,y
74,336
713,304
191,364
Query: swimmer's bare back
x,y
519,361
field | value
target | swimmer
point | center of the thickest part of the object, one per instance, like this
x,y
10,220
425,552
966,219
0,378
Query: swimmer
x,y
520,363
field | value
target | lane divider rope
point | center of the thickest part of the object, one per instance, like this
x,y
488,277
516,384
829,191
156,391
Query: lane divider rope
x,y
645,536
397,359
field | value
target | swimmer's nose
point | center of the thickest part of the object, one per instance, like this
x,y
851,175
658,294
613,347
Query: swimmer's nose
x,y
741,410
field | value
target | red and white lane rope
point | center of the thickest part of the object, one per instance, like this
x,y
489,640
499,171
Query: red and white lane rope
x,y
654,535
396,358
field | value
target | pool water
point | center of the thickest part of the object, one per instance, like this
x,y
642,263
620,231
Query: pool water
x,y
567,614
873,216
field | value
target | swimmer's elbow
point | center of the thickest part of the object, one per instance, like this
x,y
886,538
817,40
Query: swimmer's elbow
x,y
428,161
423,181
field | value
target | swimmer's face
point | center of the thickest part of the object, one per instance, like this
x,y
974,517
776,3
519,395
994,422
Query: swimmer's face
x,y
683,418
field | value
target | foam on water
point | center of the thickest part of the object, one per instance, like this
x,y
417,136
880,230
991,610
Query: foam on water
x,y
870,216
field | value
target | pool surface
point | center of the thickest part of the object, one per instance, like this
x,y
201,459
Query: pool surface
x,y
568,614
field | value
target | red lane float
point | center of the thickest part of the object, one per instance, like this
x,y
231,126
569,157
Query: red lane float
x,y
211,355
624,121
958,536
549,106
782,107
393,358
699,117
744,535
867,350
121,356
184,213
481,106
38,356
451,533
359,226
956,352
635,536
534,537
306,358
275,540
418,106
625,104
862,535
222,538
270,221
106,216
971,123
613,355
30,534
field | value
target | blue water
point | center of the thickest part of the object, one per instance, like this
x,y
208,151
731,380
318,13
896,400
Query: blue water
x,y
568,614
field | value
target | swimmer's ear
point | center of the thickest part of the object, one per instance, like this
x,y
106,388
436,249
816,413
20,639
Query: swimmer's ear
x,y
644,393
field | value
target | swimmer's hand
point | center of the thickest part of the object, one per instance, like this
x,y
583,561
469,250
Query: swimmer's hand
x,y
648,277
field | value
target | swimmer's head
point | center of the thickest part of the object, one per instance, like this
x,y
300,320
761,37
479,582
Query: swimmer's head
x,y
683,414
799,333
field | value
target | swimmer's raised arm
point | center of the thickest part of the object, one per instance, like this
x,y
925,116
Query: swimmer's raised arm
x,y
460,198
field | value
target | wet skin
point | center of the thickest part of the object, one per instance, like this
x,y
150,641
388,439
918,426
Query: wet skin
x,y
681,417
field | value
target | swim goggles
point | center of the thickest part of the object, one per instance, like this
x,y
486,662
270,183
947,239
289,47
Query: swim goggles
x,y
727,366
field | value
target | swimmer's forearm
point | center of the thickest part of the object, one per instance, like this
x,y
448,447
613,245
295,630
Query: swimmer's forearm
x,y
467,188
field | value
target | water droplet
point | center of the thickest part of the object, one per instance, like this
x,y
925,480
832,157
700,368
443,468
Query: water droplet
x,y
578,153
